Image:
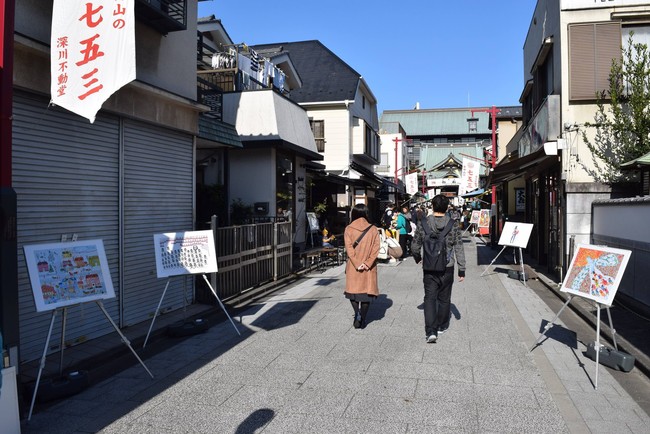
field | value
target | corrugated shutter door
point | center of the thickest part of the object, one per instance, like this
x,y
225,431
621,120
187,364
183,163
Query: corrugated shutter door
x,y
66,177
158,167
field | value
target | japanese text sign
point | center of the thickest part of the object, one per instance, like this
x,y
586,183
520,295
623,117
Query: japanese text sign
x,y
92,52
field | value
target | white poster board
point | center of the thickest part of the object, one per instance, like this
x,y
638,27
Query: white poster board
x,y
179,253
476,215
313,222
484,219
515,234
63,274
596,272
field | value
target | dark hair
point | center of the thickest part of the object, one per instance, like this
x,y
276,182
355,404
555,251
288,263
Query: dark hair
x,y
359,210
440,203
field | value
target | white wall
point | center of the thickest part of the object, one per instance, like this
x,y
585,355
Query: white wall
x,y
337,136
252,176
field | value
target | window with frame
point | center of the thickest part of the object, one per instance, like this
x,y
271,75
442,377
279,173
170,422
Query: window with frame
x,y
318,129
592,47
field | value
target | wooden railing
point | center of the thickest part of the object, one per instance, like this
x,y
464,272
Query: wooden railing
x,y
251,255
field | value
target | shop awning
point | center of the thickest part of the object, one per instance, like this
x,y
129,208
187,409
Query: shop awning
x,y
474,193
514,169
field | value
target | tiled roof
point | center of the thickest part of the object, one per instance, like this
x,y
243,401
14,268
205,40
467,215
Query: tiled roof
x,y
217,131
437,122
324,75
432,155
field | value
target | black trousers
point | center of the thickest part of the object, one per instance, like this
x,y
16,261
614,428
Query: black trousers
x,y
437,300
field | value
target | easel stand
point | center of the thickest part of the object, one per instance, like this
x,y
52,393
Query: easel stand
x,y
220,303
47,343
475,231
156,313
163,296
521,260
597,344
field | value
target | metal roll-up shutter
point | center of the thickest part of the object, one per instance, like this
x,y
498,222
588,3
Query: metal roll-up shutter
x,y
158,173
66,177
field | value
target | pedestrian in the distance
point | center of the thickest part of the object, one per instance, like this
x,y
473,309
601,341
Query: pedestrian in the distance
x,y
362,246
438,284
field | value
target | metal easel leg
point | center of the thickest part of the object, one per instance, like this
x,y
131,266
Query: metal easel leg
x,y
523,270
124,339
41,366
156,314
597,345
65,320
220,303
495,258
611,326
550,324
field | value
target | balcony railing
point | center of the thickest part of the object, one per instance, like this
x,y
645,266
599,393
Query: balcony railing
x,y
163,15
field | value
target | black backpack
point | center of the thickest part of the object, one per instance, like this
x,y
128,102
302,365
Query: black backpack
x,y
434,247
407,225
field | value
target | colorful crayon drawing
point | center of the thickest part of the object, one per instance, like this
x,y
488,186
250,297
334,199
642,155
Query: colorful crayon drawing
x,y
476,216
64,274
484,219
596,272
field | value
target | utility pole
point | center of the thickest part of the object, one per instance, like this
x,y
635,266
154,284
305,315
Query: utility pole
x,y
493,111
396,140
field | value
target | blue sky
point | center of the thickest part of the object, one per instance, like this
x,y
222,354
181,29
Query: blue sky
x,y
442,54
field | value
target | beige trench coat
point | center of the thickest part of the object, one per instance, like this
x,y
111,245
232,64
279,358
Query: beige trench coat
x,y
361,282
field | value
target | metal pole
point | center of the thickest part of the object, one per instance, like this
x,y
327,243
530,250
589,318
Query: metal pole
x,y
8,202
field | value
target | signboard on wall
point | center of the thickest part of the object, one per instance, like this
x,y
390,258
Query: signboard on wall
x,y
64,274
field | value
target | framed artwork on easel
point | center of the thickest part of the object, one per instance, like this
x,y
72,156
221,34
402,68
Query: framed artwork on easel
x,y
596,272
64,274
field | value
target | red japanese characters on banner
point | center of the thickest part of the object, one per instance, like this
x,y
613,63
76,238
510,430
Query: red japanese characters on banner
x,y
469,176
92,54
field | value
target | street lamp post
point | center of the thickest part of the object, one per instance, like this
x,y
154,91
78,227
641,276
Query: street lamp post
x,y
493,111
396,140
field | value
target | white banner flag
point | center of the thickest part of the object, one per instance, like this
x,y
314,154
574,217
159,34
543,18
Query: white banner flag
x,y
92,52
411,181
470,174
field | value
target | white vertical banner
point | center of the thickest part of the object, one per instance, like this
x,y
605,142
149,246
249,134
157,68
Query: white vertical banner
x,y
92,52
469,175
411,181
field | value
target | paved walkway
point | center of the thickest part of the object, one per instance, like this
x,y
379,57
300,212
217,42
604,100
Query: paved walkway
x,y
300,366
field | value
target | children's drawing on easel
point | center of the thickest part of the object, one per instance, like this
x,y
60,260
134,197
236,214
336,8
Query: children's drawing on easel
x,y
484,219
64,274
476,216
515,234
596,272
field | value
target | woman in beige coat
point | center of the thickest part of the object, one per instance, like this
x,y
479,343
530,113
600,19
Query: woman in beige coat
x,y
361,269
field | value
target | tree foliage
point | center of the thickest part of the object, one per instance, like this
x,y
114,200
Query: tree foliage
x,y
622,120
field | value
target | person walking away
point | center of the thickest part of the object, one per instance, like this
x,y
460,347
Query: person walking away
x,y
362,246
438,284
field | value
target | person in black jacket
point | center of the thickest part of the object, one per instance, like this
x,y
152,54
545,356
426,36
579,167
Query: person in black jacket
x,y
438,284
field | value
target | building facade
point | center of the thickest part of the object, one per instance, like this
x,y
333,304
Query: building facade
x,y
122,179
567,58
342,111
